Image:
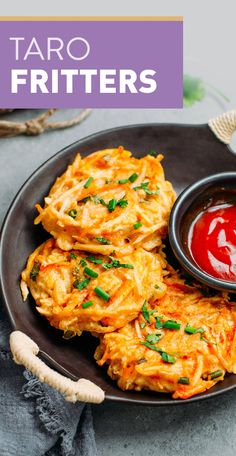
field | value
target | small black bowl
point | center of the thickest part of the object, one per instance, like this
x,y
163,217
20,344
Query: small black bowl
x,y
210,191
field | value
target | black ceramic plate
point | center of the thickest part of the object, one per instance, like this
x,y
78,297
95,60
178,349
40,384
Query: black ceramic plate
x,y
191,152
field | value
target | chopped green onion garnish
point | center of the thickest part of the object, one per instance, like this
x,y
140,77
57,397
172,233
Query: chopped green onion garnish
x,y
145,312
73,256
151,192
168,358
94,260
122,203
80,285
101,200
116,264
101,293
144,186
216,374
153,311
142,325
207,341
123,181
87,304
102,240
153,338
153,153
125,265
83,262
88,182
171,324
112,205
90,273
183,380
72,213
34,271
152,347
84,200
137,225
158,324
191,330
133,177
165,356
108,265
96,199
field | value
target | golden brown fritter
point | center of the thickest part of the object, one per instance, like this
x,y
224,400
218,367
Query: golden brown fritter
x,y
64,286
109,201
182,344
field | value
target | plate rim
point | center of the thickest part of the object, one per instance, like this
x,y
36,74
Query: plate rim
x,y
46,356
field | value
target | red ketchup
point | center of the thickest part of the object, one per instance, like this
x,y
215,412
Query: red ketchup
x,y
212,241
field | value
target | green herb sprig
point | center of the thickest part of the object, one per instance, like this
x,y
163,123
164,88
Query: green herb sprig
x,y
195,90
145,312
87,304
102,293
94,260
144,186
34,271
102,240
72,213
88,182
165,356
81,284
116,264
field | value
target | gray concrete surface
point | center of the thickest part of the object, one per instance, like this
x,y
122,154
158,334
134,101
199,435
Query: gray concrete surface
x,y
200,429
208,427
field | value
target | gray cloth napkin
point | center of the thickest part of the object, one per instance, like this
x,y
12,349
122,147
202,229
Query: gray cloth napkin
x,y
35,420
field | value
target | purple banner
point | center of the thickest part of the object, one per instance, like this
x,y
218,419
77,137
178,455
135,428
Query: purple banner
x,y
91,64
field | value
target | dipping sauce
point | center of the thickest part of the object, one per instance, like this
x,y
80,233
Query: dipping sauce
x,y
212,241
